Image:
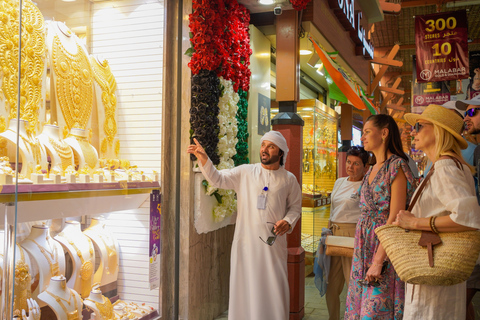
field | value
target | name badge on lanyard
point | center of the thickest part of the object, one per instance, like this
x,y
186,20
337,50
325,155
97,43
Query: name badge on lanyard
x,y
262,199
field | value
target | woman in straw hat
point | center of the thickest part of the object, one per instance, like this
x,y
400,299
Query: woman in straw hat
x,y
447,204
375,291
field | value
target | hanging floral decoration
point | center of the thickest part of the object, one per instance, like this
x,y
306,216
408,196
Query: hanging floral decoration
x,y
220,48
299,4
242,146
204,112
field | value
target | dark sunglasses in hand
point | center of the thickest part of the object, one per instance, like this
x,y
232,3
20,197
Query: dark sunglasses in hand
x,y
375,283
471,112
270,240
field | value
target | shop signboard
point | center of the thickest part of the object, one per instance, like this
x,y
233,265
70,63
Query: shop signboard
x,y
441,45
351,20
473,88
426,93
154,248
263,114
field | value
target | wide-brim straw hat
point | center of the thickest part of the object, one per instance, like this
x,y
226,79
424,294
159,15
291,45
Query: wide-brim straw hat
x,y
443,117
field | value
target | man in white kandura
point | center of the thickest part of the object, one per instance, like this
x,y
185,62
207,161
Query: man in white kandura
x,y
269,204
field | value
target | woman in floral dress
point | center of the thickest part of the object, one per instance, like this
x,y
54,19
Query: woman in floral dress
x,y
386,189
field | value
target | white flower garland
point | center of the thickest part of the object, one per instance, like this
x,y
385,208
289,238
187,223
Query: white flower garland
x,y
226,147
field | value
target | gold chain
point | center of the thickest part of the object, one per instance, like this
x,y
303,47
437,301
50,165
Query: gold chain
x,y
88,152
111,252
53,262
33,54
22,283
73,315
74,85
63,150
105,308
86,269
105,79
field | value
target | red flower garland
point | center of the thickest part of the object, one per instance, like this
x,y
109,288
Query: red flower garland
x,y
221,41
299,4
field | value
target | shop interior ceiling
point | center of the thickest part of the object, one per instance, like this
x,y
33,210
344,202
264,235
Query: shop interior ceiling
x,y
398,29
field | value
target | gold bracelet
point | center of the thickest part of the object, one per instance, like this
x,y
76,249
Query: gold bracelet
x,y
432,224
377,265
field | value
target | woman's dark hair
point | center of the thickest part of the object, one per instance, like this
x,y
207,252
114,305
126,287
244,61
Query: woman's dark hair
x,y
393,140
358,152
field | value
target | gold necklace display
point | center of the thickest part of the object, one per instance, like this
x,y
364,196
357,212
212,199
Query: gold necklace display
x,y
63,150
22,283
88,151
72,315
73,84
32,65
86,269
51,257
112,258
105,308
105,79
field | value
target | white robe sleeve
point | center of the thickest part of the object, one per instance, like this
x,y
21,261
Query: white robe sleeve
x,y
454,191
294,203
223,179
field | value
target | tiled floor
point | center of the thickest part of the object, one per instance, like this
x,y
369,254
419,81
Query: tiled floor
x,y
315,306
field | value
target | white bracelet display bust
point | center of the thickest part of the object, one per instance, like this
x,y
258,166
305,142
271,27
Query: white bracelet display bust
x,y
47,254
100,305
80,249
107,271
61,155
65,302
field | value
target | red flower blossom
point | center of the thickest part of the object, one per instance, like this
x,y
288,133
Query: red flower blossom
x,y
299,4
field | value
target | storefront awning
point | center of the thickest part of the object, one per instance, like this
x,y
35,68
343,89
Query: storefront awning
x,y
341,86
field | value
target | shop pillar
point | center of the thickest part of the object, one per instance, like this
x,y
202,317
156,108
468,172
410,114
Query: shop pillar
x,y
290,124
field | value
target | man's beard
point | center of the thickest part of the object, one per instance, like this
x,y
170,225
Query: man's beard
x,y
271,160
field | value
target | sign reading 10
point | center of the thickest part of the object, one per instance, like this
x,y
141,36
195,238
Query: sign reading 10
x,y
440,25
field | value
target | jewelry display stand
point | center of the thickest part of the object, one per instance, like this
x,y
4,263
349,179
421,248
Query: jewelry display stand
x,y
31,153
22,279
106,101
65,302
80,249
104,240
48,255
61,155
85,153
99,305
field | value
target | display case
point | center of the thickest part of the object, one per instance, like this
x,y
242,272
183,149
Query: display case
x,y
319,170
80,125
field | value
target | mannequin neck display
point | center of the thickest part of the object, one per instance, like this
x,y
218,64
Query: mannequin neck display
x,y
107,271
100,305
10,134
64,302
61,154
80,249
86,153
47,253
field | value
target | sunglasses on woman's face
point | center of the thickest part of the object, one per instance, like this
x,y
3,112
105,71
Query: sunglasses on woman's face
x,y
471,112
418,126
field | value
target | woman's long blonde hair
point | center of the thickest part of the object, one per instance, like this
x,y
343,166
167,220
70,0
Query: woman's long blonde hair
x,y
446,144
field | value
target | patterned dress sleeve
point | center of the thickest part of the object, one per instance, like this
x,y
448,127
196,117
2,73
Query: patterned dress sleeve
x,y
395,166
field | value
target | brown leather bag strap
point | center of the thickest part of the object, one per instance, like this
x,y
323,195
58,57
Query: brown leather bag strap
x,y
420,188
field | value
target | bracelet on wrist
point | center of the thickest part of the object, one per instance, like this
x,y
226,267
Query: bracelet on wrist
x,y
432,224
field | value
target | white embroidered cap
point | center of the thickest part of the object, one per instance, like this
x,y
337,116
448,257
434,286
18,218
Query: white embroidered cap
x,y
279,140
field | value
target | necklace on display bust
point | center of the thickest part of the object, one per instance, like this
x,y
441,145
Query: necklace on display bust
x,y
105,308
22,282
72,315
51,257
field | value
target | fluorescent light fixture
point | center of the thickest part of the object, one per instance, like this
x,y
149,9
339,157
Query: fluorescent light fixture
x,y
266,2
304,52
319,65
69,0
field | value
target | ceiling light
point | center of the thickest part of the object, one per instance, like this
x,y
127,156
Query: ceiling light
x,y
319,65
304,52
68,0
266,2
320,72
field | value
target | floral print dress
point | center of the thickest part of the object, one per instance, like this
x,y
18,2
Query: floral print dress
x,y
386,300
